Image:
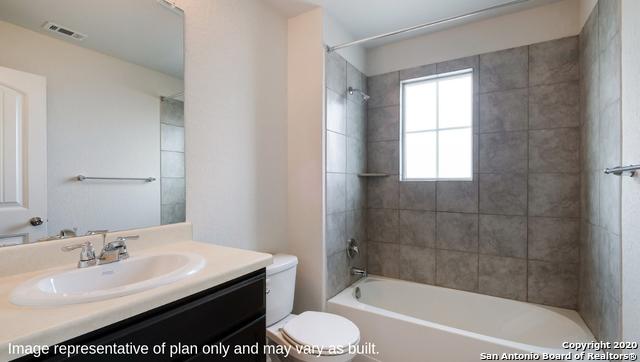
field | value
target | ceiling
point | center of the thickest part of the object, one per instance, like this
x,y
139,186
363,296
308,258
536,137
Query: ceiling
x,y
141,31
365,18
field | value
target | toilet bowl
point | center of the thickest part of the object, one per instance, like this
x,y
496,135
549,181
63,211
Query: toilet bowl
x,y
310,336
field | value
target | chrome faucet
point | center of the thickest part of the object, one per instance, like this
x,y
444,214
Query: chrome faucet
x,y
63,234
111,252
87,254
99,232
115,250
359,272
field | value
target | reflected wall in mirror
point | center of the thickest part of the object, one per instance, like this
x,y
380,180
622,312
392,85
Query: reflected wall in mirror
x,y
92,88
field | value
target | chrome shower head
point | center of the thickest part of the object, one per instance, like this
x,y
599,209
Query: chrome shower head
x,y
365,97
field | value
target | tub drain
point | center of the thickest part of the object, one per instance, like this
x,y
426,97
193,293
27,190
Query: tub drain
x,y
358,294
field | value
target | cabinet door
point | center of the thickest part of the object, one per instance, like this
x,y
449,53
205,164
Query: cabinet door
x,y
251,336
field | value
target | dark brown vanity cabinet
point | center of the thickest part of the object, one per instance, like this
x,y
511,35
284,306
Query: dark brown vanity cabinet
x,y
232,314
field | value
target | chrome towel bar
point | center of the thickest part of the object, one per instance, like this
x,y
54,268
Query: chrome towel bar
x,y
145,179
620,170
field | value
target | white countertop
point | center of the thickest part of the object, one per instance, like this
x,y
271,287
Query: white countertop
x,y
52,325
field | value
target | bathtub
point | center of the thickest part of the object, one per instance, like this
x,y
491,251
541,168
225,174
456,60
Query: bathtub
x,y
416,322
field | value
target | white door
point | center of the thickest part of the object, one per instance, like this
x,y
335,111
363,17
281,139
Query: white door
x,y
23,157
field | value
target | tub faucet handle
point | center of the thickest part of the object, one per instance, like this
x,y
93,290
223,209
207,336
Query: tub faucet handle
x,y
353,249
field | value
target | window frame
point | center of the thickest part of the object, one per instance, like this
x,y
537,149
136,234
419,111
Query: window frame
x,y
437,129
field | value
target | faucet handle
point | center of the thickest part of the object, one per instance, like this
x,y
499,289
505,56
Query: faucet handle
x,y
68,233
87,254
126,238
353,248
97,232
120,244
87,245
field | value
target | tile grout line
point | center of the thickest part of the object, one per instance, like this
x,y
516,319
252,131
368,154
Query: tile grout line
x,y
435,244
528,170
477,94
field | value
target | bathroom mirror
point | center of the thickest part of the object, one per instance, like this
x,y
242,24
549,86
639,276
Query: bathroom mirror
x,y
91,117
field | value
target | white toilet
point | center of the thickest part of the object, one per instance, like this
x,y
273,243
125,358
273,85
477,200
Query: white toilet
x,y
307,329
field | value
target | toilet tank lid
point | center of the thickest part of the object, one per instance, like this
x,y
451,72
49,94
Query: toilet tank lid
x,y
281,262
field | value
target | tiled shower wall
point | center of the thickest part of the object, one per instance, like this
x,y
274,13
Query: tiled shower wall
x,y
345,159
514,230
172,175
600,292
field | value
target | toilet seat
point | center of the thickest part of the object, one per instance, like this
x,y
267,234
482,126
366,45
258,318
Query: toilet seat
x,y
330,332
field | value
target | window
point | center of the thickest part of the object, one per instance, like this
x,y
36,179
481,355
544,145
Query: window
x,y
437,121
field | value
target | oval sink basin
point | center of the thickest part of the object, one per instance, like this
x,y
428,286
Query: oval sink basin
x,y
100,282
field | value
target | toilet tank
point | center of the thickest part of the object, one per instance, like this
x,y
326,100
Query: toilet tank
x,y
281,284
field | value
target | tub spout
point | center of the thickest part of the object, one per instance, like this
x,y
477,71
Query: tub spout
x,y
359,272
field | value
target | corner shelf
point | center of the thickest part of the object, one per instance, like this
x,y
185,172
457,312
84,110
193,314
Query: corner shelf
x,y
373,174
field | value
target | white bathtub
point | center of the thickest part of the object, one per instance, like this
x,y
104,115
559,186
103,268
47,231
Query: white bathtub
x,y
417,322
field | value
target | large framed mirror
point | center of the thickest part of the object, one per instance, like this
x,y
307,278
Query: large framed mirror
x,y
91,117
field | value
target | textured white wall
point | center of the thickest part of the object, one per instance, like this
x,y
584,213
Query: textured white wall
x,y
306,165
235,119
630,33
103,119
535,25
335,33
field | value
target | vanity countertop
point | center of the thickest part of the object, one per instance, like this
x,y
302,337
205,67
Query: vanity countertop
x,y
52,325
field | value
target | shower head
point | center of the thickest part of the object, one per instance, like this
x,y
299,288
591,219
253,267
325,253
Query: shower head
x,y
365,97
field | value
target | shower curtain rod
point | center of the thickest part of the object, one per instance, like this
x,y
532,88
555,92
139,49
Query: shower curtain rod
x,y
422,26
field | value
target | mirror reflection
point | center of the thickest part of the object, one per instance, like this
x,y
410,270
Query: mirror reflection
x,y
91,117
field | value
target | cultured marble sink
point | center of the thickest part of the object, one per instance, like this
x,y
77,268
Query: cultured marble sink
x,y
132,275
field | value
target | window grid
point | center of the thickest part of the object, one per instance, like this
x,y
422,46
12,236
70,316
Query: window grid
x,y
437,129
